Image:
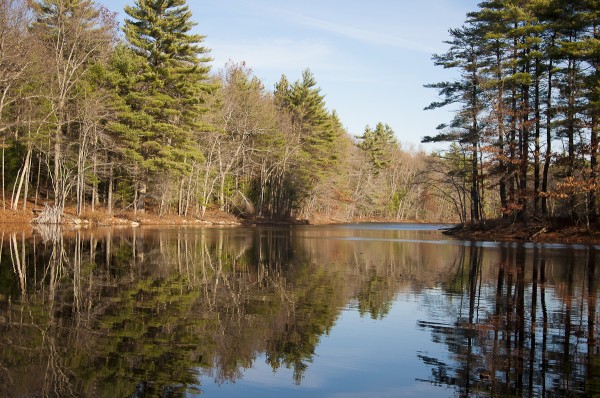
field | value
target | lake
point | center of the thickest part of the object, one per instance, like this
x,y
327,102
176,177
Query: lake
x,y
363,310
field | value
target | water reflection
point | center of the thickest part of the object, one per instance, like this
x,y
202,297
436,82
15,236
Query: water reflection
x,y
526,324
148,312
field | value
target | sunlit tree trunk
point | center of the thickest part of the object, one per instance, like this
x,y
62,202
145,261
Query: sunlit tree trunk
x,y
21,180
109,196
94,200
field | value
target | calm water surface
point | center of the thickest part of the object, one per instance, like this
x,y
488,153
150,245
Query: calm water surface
x,y
366,310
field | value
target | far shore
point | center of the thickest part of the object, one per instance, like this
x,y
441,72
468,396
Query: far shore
x,y
100,218
11,220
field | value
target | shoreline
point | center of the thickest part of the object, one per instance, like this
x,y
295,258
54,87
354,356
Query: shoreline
x,y
494,231
534,232
100,218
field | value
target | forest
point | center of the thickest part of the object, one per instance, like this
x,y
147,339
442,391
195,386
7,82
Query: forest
x,y
525,130
131,118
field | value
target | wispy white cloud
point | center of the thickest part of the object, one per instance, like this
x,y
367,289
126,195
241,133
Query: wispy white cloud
x,y
375,35
364,35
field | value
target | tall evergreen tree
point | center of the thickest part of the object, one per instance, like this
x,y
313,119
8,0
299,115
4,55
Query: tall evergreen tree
x,y
377,144
311,119
591,53
310,116
465,54
166,98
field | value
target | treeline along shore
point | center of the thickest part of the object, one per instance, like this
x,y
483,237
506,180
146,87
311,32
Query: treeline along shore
x,y
97,118
132,118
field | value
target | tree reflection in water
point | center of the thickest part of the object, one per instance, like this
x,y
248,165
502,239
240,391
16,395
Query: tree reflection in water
x,y
520,336
148,312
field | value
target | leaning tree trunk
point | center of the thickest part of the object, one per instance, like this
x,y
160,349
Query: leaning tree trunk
x,y
27,178
21,179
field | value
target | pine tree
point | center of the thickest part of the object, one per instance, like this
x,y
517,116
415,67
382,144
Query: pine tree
x,y
282,93
310,118
377,143
466,55
591,52
318,132
166,98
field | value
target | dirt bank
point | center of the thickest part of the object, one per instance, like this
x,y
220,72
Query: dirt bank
x,y
541,232
122,218
102,218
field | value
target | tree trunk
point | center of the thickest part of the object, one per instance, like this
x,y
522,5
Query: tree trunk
x,y
190,185
161,206
222,193
13,199
37,181
592,209
21,178
475,142
109,196
501,131
3,176
482,196
27,177
474,185
141,197
95,195
180,196
548,155
524,146
513,130
80,181
571,131
57,159
536,154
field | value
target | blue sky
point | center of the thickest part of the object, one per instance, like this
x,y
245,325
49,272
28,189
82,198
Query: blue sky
x,y
370,58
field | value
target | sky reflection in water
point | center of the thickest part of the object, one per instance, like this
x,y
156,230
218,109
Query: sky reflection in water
x,y
361,357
